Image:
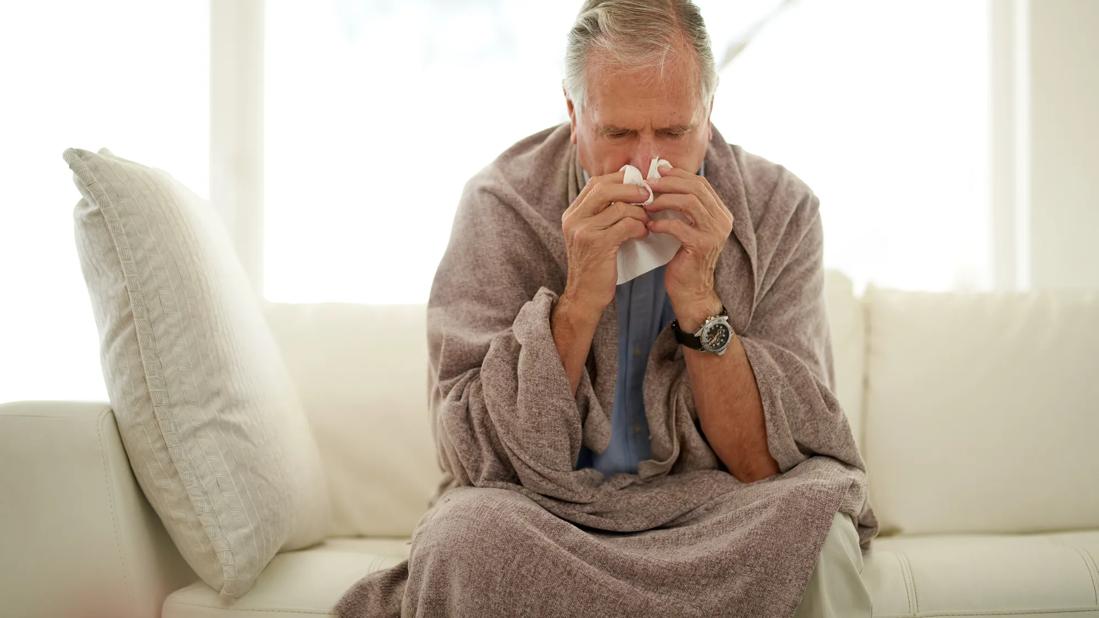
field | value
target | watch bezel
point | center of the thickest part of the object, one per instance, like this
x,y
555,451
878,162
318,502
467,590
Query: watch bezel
x,y
695,340
713,322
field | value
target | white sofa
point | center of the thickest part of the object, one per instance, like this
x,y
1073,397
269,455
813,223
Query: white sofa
x,y
977,415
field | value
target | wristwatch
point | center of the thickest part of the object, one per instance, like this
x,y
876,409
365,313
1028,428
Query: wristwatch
x,y
713,336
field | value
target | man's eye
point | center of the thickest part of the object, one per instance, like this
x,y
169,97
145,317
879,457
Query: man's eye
x,y
618,134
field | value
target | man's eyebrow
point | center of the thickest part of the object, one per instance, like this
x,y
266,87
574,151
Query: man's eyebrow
x,y
610,128
679,128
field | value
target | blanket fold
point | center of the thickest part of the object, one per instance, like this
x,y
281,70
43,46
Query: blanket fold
x,y
508,430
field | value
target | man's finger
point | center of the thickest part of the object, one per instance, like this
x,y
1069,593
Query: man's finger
x,y
605,193
683,232
625,229
594,181
687,204
689,185
680,184
618,210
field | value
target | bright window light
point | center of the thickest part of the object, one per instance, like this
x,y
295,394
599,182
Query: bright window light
x,y
377,113
128,75
883,109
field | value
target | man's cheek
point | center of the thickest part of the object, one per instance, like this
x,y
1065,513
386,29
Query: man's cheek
x,y
612,159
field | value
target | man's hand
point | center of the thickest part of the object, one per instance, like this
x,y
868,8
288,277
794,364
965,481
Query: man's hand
x,y
604,215
595,225
689,277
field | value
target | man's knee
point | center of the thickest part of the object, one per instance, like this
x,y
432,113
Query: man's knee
x,y
470,524
841,546
836,587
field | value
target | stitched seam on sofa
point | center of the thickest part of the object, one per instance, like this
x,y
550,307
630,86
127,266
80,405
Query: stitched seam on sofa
x,y
915,590
909,583
1089,564
904,578
1008,612
103,415
318,612
48,417
125,254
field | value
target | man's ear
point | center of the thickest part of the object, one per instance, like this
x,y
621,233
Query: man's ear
x,y
572,114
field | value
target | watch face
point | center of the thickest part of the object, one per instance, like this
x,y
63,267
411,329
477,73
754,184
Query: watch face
x,y
716,336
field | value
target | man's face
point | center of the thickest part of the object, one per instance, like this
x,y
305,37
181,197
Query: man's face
x,y
633,115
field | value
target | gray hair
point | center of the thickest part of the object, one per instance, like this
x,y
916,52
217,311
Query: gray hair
x,y
637,33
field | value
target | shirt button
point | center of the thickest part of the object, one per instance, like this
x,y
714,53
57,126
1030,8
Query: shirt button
x,y
636,351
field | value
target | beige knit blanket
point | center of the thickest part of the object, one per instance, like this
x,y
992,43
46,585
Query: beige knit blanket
x,y
514,529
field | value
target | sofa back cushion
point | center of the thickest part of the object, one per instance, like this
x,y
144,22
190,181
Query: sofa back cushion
x,y
362,374
361,371
847,326
982,410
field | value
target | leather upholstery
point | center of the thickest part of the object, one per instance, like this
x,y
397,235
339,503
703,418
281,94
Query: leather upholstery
x,y
85,537
77,536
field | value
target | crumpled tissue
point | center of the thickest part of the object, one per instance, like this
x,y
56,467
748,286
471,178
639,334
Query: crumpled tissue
x,y
638,256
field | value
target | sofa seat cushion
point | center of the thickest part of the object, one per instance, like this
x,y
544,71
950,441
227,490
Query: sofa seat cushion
x,y
984,574
919,575
297,583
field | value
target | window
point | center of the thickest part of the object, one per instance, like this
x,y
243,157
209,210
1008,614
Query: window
x,y
378,112
80,74
883,109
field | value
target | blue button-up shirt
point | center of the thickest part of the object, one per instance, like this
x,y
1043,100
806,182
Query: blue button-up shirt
x,y
644,310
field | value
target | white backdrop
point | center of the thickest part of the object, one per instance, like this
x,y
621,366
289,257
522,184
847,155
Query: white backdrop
x,y
377,113
129,75
880,106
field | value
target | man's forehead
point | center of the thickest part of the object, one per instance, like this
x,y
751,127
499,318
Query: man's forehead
x,y
634,99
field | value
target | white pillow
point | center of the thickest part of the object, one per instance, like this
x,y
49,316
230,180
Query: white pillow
x,y
210,419
982,410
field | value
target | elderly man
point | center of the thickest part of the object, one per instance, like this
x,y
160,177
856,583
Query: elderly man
x,y
632,384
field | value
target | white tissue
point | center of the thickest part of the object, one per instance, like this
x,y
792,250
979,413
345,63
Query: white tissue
x,y
638,256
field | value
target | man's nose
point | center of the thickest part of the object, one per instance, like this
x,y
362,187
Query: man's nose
x,y
644,154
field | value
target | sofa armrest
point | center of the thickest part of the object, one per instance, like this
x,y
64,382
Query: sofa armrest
x,y
76,533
